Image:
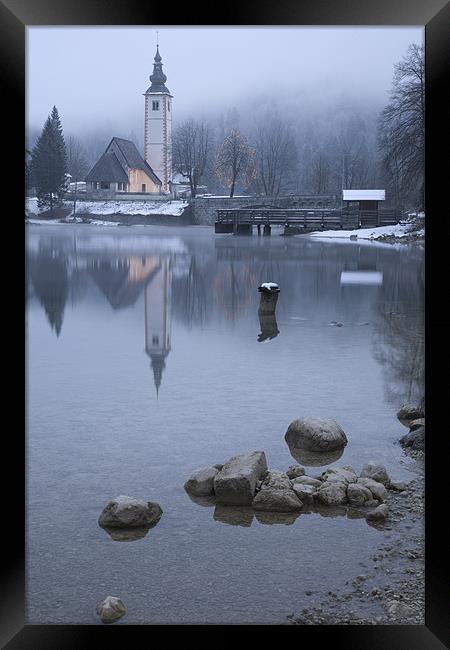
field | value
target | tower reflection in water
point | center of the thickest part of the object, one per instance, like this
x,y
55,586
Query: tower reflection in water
x,y
157,300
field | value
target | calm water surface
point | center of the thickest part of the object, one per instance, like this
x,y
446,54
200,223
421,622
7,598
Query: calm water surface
x,y
144,364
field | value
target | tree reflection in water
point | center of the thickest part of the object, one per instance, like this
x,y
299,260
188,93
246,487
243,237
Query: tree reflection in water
x,y
49,277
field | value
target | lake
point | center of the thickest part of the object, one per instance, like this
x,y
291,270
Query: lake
x,y
146,360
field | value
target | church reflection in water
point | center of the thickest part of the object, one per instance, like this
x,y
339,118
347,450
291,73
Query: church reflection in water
x,y
123,280
157,299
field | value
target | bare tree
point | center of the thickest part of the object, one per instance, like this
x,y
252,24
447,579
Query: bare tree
x,y
235,160
190,150
276,156
402,125
76,164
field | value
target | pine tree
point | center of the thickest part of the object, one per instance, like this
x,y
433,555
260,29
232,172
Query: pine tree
x,y
49,162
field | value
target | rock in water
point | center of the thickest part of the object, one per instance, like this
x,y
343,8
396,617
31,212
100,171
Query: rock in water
x,y
414,439
126,512
305,492
376,472
201,482
416,424
316,434
380,513
410,412
295,470
378,490
111,609
332,494
275,480
277,500
358,495
235,484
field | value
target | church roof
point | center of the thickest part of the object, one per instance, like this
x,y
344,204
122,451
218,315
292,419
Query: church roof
x,y
113,165
107,169
158,78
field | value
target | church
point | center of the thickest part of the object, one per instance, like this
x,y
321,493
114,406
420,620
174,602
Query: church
x,y
121,169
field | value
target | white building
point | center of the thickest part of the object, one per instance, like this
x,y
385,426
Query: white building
x,y
158,125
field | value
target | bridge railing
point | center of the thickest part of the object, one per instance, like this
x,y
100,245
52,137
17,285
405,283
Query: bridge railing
x,y
343,219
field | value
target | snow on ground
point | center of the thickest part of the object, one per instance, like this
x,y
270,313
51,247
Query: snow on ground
x,y
368,233
173,208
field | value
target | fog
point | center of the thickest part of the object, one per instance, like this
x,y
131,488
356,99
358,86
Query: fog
x,y
96,75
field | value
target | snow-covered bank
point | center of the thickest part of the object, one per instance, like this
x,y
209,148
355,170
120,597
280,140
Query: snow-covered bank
x,y
398,231
103,208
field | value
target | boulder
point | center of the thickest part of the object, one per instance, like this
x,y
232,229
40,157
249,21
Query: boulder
x,y
316,434
277,500
201,482
235,483
127,512
305,492
398,486
377,472
126,534
332,494
357,494
295,471
378,490
275,480
306,480
314,458
410,412
378,514
111,609
416,424
414,439
399,610
340,475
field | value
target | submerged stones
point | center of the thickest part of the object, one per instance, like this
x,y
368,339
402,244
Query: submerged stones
x,y
111,609
129,512
316,435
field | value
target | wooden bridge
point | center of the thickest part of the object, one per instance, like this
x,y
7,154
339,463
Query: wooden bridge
x,y
241,221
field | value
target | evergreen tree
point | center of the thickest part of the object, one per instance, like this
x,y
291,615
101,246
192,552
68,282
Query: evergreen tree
x,y
49,162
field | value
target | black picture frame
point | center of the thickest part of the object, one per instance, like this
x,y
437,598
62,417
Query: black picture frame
x,y
434,15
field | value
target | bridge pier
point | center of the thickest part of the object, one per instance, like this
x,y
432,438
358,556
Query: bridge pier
x,y
267,230
259,230
243,229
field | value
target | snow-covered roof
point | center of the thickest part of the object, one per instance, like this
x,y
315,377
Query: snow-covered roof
x,y
363,195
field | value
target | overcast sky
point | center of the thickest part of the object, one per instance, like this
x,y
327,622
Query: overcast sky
x,y
96,75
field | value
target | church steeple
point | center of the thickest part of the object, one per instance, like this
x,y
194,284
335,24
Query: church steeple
x,y
158,78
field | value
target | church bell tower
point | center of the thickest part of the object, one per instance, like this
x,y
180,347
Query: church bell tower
x,y
158,125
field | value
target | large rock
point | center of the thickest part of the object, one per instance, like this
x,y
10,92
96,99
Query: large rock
x,y
306,480
277,500
305,492
275,480
410,412
127,512
294,471
376,472
340,475
414,439
378,490
201,482
235,483
358,495
416,424
316,434
111,609
380,513
332,494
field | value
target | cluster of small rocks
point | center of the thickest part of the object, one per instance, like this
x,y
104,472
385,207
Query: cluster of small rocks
x,y
413,417
245,480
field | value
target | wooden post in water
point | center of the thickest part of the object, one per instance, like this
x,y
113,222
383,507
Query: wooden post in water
x,y
269,297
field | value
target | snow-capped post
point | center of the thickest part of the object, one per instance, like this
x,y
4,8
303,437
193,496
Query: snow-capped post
x,y
269,296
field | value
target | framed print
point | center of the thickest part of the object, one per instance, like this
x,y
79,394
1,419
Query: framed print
x,y
230,321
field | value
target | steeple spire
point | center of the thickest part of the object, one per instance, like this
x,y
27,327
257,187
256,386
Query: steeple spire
x,y
158,78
